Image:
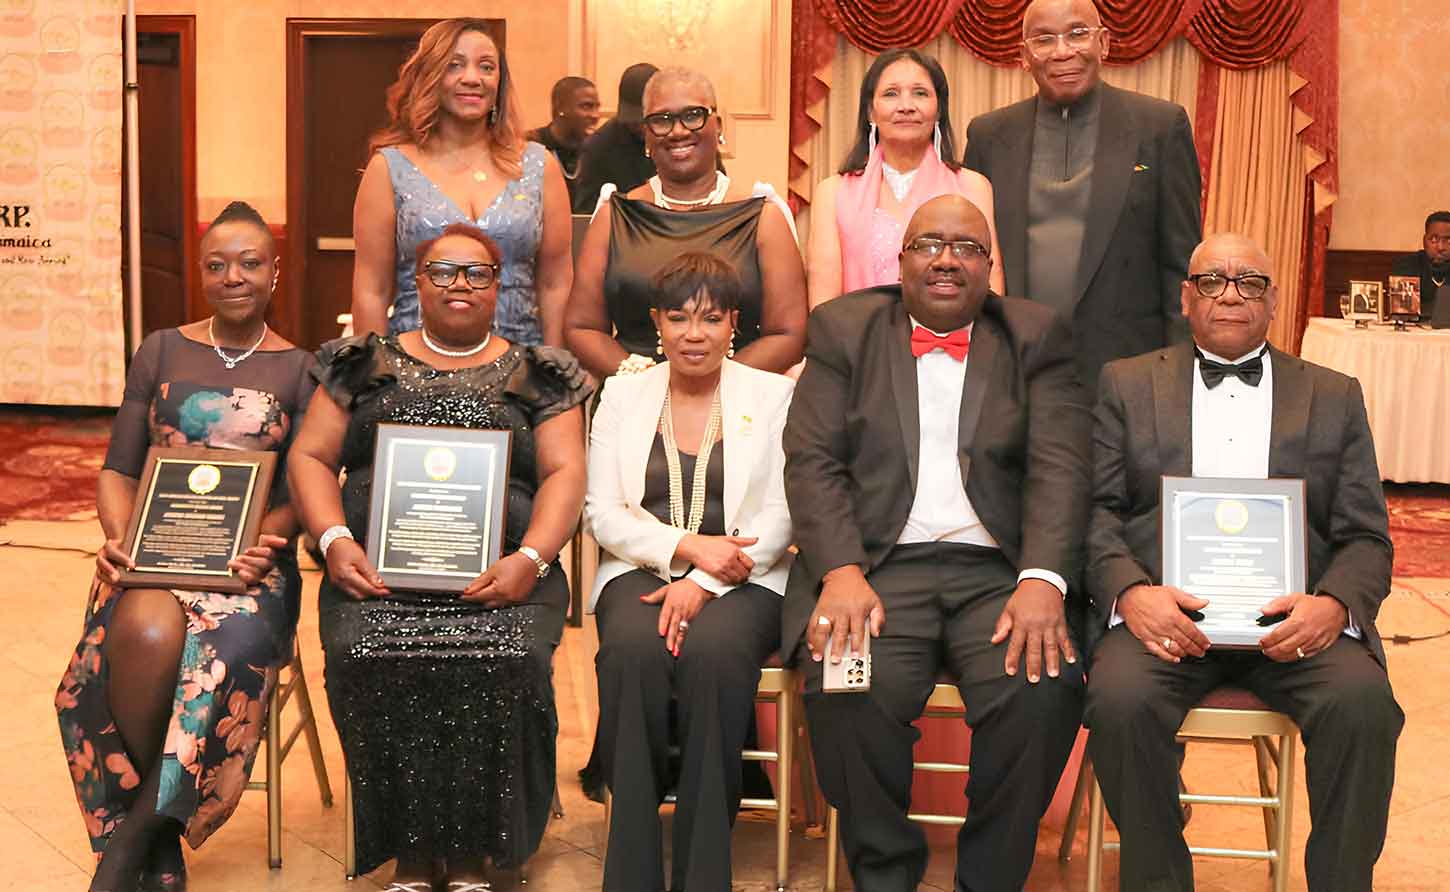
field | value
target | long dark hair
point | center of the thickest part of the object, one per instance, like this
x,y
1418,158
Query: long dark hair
x,y
860,152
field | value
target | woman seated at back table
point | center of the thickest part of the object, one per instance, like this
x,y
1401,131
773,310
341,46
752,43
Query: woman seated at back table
x,y
163,705
444,702
687,498
689,205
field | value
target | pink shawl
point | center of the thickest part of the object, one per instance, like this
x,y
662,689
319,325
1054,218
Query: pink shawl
x,y
857,220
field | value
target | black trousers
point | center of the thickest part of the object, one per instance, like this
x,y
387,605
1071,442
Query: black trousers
x,y
714,681
1346,713
942,601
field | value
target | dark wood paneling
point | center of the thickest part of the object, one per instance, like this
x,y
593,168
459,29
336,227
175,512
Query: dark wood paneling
x,y
1341,267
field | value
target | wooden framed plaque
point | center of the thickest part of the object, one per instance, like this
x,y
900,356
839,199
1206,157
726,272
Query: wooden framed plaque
x,y
1239,544
196,509
439,500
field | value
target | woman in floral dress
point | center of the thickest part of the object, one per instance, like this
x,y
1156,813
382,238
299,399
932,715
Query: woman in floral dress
x,y
162,706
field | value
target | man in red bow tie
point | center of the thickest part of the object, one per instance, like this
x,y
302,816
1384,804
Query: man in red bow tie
x,y
937,473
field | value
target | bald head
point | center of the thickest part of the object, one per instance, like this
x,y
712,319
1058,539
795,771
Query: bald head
x,y
943,210
1232,319
1082,10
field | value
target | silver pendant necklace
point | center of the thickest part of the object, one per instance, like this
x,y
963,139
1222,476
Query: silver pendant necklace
x,y
232,361
456,354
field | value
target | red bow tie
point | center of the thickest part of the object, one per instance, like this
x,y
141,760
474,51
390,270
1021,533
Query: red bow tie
x,y
924,340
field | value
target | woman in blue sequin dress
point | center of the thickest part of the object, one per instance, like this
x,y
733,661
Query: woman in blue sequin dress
x,y
454,151
445,703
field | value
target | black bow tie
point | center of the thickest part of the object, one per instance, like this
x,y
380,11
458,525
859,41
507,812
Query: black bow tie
x,y
1250,371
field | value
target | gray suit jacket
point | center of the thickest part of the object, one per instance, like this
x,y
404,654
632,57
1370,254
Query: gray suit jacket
x,y
1144,219
1320,433
853,435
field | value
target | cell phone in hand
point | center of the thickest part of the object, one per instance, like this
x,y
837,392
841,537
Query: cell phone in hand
x,y
852,674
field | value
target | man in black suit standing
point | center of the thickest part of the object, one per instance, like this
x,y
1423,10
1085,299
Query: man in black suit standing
x,y
937,475
1097,191
1229,405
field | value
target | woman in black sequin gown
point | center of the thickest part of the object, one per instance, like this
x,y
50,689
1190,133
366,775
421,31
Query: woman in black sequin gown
x,y
444,703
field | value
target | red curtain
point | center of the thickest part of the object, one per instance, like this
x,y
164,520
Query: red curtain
x,y
992,31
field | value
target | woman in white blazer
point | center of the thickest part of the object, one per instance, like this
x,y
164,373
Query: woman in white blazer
x,y
686,496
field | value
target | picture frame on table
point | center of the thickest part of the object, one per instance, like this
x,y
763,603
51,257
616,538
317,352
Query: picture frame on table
x,y
1366,302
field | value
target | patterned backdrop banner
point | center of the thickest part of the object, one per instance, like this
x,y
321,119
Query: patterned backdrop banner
x,y
62,338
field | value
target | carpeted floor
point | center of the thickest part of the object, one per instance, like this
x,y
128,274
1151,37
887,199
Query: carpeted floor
x,y
49,463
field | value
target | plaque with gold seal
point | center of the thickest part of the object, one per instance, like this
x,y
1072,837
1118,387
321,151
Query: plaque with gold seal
x,y
1237,543
439,499
196,509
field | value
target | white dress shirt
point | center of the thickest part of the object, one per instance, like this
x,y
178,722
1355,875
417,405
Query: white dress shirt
x,y
940,509
1231,426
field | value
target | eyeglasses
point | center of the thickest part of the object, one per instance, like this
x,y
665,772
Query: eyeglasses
x,y
1078,39
965,250
444,273
694,117
1438,239
1250,286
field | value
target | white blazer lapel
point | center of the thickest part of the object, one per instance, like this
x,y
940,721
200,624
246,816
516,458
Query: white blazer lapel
x,y
742,438
638,437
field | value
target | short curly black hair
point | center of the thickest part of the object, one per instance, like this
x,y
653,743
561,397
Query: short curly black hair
x,y
692,274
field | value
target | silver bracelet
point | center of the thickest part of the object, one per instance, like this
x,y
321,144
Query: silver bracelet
x,y
331,535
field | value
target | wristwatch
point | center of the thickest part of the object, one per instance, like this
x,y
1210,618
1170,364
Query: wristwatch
x,y
538,560
331,535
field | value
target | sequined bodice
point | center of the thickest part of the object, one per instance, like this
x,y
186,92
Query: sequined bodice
x,y
470,397
885,248
514,221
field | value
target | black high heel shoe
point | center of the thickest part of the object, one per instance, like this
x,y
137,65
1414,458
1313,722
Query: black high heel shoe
x,y
165,869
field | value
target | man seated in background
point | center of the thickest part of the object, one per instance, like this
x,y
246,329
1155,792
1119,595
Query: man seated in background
x,y
1432,266
574,109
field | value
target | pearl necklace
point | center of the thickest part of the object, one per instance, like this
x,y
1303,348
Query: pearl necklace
x,y
230,360
702,466
456,354
717,195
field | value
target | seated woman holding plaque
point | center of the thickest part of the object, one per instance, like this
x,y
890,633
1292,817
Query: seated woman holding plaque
x,y
687,498
443,699
163,704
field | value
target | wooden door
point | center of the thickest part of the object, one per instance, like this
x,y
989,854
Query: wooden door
x,y
166,73
338,72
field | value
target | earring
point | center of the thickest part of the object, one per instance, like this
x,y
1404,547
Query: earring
x,y
936,139
493,116
659,343
871,140
722,139
646,151
730,354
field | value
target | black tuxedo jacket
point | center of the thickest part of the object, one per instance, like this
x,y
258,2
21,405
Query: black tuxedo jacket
x,y
852,440
1319,433
1144,219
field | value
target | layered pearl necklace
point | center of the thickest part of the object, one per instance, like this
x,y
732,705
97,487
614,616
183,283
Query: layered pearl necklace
x,y
702,466
232,361
456,354
717,195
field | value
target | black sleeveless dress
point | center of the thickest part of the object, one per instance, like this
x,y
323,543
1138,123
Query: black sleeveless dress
x,y
644,237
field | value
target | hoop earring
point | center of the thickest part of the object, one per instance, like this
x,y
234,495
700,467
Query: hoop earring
x,y
936,139
871,139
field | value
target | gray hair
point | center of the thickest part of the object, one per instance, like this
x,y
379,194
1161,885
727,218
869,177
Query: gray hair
x,y
672,74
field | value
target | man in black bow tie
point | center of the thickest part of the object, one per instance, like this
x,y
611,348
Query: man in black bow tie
x,y
937,475
1229,405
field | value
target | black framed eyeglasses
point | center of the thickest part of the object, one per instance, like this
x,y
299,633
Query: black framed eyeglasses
x,y
965,249
1078,39
1250,286
693,118
444,273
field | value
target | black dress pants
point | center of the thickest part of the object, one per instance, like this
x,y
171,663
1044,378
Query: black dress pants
x,y
714,681
1346,713
942,601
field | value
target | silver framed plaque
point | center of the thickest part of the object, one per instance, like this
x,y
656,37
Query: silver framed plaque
x,y
1237,543
439,501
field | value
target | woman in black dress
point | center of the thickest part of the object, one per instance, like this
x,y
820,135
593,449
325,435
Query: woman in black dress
x,y
444,702
689,205
163,704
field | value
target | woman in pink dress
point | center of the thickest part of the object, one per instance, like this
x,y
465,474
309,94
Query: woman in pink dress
x,y
904,156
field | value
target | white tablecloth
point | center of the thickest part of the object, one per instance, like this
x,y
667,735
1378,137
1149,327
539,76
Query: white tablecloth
x,y
1406,381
